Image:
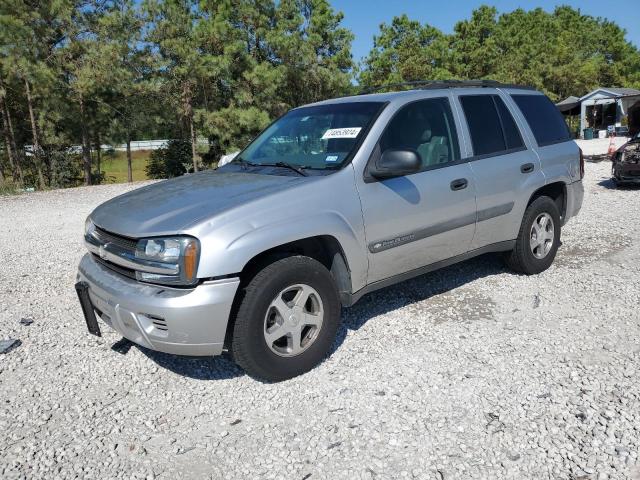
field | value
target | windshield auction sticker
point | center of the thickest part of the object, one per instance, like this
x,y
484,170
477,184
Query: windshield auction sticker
x,y
341,133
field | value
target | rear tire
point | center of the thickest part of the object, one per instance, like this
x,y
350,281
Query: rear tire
x,y
538,239
287,319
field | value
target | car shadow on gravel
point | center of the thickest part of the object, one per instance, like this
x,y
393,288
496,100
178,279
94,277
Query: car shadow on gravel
x,y
416,290
200,368
611,185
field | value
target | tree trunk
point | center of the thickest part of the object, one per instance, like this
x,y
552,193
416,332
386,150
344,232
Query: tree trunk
x,y
53,167
7,130
129,169
194,152
187,106
86,148
7,140
37,155
98,154
14,146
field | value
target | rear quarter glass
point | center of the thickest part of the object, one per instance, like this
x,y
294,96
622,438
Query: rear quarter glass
x,y
543,118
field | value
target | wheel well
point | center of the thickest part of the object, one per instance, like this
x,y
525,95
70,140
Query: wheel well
x,y
557,191
325,249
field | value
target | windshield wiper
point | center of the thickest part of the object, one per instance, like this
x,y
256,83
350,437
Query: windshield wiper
x,y
296,169
299,170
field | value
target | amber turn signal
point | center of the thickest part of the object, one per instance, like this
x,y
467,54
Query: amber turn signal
x,y
190,260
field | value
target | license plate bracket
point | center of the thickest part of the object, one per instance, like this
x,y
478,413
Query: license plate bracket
x,y
82,289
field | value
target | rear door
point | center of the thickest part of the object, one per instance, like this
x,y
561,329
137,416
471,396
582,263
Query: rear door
x,y
505,169
559,155
419,219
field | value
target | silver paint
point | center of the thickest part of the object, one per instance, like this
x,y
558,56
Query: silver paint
x,y
237,216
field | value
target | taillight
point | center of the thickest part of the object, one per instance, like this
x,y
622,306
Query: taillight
x,y
581,164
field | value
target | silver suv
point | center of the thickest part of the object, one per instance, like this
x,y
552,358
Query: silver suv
x,y
332,201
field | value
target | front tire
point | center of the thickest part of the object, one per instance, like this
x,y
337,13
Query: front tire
x,y
287,319
538,239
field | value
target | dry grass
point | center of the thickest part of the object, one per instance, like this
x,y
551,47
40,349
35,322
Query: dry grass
x,y
115,166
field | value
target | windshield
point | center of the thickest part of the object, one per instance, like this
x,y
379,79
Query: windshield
x,y
317,137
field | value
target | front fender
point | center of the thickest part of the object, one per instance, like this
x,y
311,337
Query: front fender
x,y
326,223
230,241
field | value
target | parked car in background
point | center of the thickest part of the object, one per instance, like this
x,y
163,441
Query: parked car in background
x,y
621,131
625,168
332,201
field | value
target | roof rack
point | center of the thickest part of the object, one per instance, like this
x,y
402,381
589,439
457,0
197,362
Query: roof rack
x,y
435,84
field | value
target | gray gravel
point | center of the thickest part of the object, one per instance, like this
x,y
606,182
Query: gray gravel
x,y
470,372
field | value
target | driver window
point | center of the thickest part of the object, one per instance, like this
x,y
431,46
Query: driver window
x,y
427,127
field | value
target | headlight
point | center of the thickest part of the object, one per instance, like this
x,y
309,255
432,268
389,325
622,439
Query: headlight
x,y
89,227
181,251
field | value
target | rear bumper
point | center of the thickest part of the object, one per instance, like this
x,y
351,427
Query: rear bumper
x,y
182,322
575,195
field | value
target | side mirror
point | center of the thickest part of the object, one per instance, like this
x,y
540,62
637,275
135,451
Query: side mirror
x,y
396,163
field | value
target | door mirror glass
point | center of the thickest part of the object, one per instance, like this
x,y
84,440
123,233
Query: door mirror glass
x,y
396,163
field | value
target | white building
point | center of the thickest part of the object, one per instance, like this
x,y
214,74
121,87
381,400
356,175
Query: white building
x,y
610,107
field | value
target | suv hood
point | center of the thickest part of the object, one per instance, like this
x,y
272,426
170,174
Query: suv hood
x,y
167,207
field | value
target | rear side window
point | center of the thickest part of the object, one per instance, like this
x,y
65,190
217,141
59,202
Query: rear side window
x,y
544,119
491,125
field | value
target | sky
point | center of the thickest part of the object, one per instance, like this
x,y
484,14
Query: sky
x,y
363,17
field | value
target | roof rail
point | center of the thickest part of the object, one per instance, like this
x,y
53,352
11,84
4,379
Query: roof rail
x,y
436,84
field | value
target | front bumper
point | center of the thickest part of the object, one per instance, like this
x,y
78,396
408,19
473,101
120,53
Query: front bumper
x,y
629,180
171,320
626,172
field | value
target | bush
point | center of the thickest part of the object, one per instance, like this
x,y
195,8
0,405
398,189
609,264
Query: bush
x,y
66,168
8,188
210,159
171,161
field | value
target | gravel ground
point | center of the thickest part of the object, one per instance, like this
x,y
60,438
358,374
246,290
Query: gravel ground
x,y
470,372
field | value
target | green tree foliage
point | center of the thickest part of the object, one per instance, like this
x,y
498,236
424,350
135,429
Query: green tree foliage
x,y
405,50
278,56
474,50
75,74
170,161
562,53
86,72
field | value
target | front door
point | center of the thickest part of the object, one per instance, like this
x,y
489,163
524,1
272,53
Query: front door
x,y
419,219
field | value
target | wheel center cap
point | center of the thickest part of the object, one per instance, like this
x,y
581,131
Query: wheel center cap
x,y
293,320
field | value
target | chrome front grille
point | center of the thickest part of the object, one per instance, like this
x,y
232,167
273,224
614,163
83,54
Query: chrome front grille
x,y
119,254
123,242
127,272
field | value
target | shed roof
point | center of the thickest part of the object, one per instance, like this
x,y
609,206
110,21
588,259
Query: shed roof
x,y
613,91
568,104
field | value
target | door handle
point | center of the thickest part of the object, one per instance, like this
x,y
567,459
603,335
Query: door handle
x,y
459,184
527,168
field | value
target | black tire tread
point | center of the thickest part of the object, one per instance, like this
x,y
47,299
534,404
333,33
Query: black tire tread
x,y
516,259
241,350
